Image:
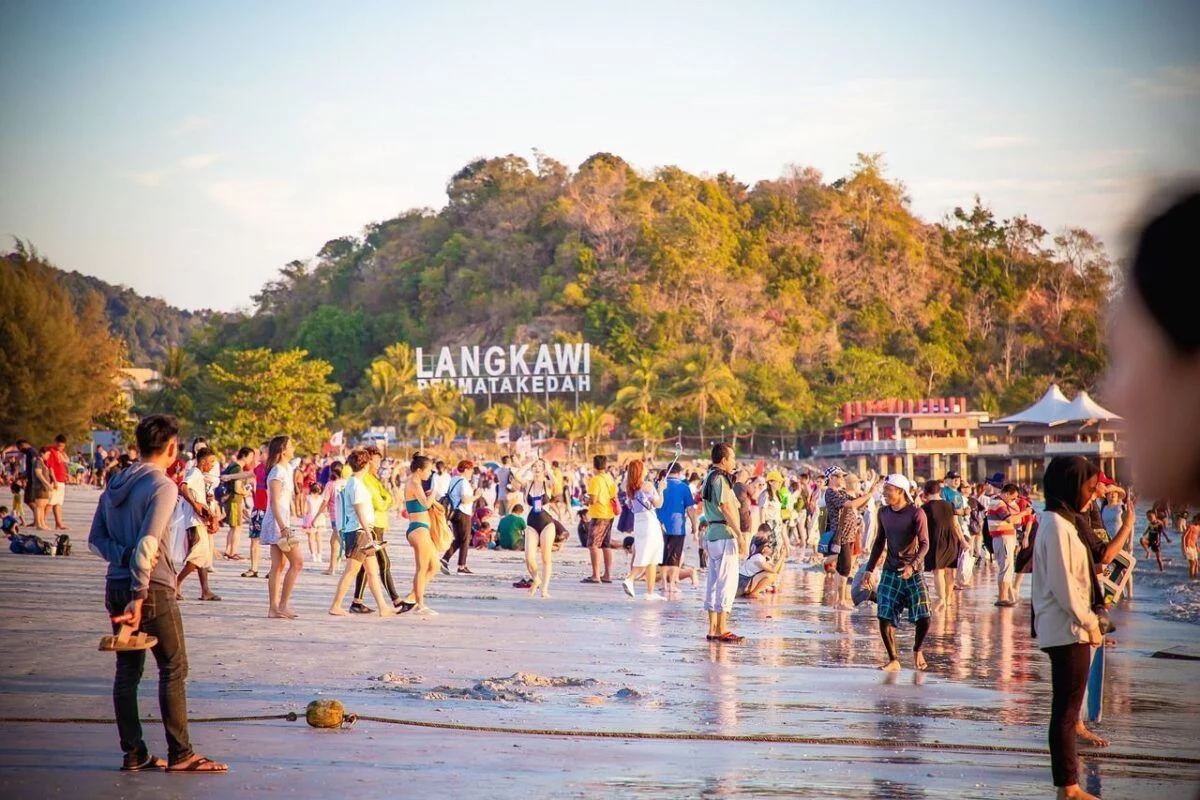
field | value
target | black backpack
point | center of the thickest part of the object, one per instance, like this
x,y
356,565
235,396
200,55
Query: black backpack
x,y
63,545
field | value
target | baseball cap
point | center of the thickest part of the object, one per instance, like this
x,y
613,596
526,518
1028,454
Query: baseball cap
x,y
901,482
1107,481
996,480
834,470
951,475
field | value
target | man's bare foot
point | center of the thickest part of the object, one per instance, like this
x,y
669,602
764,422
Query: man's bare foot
x,y
919,661
1074,793
287,612
275,613
338,611
939,607
533,587
891,666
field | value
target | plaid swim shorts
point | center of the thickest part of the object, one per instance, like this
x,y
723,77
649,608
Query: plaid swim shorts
x,y
896,594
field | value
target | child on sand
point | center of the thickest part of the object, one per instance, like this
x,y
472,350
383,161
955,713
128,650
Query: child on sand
x,y
316,519
9,523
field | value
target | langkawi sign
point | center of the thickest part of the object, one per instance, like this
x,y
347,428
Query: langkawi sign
x,y
516,369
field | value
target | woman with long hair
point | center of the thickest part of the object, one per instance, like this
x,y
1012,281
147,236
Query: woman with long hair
x,y
416,502
1064,623
331,496
645,498
540,534
286,558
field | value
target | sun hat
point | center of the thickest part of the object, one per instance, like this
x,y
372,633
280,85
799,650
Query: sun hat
x,y
774,475
901,482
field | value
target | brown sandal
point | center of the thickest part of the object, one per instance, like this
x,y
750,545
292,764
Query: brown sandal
x,y
125,639
198,764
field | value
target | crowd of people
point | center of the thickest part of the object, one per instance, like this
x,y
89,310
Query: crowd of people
x,y
878,535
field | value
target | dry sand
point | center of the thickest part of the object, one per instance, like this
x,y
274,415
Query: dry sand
x,y
588,659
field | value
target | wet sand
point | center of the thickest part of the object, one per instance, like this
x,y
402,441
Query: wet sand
x,y
807,670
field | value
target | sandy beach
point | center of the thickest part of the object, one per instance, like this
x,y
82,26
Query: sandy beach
x,y
588,660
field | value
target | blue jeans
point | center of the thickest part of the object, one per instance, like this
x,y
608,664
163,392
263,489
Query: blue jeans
x,y
160,618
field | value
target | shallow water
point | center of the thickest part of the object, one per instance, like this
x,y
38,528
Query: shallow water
x,y
807,669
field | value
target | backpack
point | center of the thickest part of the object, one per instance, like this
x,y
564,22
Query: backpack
x,y
63,545
445,500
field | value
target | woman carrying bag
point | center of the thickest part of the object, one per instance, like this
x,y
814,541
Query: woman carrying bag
x,y
1064,622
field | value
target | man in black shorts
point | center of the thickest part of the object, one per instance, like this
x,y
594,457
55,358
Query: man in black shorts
x,y
677,499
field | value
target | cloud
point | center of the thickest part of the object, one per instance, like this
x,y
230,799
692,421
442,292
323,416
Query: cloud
x,y
999,141
199,161
1169,82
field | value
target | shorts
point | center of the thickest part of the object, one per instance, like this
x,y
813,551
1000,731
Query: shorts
x,y
744,582
895,594
1190,553
233,512
673,550
600,533
57,494
1154,545
199,548
356,545
256,523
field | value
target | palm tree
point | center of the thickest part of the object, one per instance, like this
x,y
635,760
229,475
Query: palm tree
x,y
527,413
469,419
388,388
648,427
558,418
167,393
641,388
499,417
705,382
589,423
432,415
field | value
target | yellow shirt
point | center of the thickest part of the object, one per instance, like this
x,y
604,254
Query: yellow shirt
x,y
602,490
381,498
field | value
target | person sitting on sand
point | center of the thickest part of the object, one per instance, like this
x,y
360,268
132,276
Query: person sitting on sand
x,y
761,569
906,541
483,538
510,533
357,524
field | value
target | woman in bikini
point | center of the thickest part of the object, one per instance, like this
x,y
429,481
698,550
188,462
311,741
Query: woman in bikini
x,y
416,504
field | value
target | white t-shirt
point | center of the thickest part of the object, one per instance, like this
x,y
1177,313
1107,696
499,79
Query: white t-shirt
x,y
353,494
283,473
754,565
441,484
193,479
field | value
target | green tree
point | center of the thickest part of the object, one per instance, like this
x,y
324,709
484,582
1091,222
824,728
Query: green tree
x,y
528,413
432,414
388,388
60,367
469,419
337,336
171,392
500,417
705,382
260,394
589,425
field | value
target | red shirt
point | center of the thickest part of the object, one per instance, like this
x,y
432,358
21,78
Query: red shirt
x,y
260,487
56,462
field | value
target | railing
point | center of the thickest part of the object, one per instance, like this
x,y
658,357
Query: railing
x,y
1104,448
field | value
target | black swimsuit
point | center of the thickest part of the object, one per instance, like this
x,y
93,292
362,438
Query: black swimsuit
x,y
539,519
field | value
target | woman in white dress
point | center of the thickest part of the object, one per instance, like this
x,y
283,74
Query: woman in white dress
x,y
645,498
286,558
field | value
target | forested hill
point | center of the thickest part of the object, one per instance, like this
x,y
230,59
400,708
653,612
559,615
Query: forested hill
x,y
148,325
763,306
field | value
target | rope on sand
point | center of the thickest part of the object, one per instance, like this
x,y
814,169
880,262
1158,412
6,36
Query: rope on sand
x,y
683,736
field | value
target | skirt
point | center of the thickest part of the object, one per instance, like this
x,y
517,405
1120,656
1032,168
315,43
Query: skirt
x,y
647,540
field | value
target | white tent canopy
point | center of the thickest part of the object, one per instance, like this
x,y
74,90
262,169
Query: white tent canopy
x,y
1084,408
1050,410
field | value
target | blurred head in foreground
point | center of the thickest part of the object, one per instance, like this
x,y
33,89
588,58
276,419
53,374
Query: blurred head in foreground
x,y
1154,344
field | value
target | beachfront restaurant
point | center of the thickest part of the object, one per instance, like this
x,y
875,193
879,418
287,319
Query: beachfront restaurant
x,y
1022,444
927,437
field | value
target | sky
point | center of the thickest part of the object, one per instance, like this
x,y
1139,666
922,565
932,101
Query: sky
x,y
190,149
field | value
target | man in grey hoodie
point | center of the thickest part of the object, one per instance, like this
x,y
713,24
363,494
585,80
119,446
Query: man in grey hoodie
x,y
130,532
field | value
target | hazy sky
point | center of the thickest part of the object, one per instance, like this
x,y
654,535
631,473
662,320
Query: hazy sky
x,y
190,149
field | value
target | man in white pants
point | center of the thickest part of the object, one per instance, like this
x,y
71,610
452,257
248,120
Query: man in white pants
x,y
1004,518
725,543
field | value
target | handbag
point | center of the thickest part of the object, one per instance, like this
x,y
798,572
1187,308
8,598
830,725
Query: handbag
x,y
625,520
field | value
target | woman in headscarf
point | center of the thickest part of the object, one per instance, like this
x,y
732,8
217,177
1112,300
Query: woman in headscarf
x,y
1063,619
1154,374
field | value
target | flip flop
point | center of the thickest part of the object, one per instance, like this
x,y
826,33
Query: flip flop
x,y
200,764
149,762
591,580
211,597
606,580
361,608
730,637
125,640
250,574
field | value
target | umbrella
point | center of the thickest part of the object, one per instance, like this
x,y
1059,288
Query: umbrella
x,y
491,465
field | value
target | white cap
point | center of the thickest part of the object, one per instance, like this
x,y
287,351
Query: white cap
x,y
900,482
